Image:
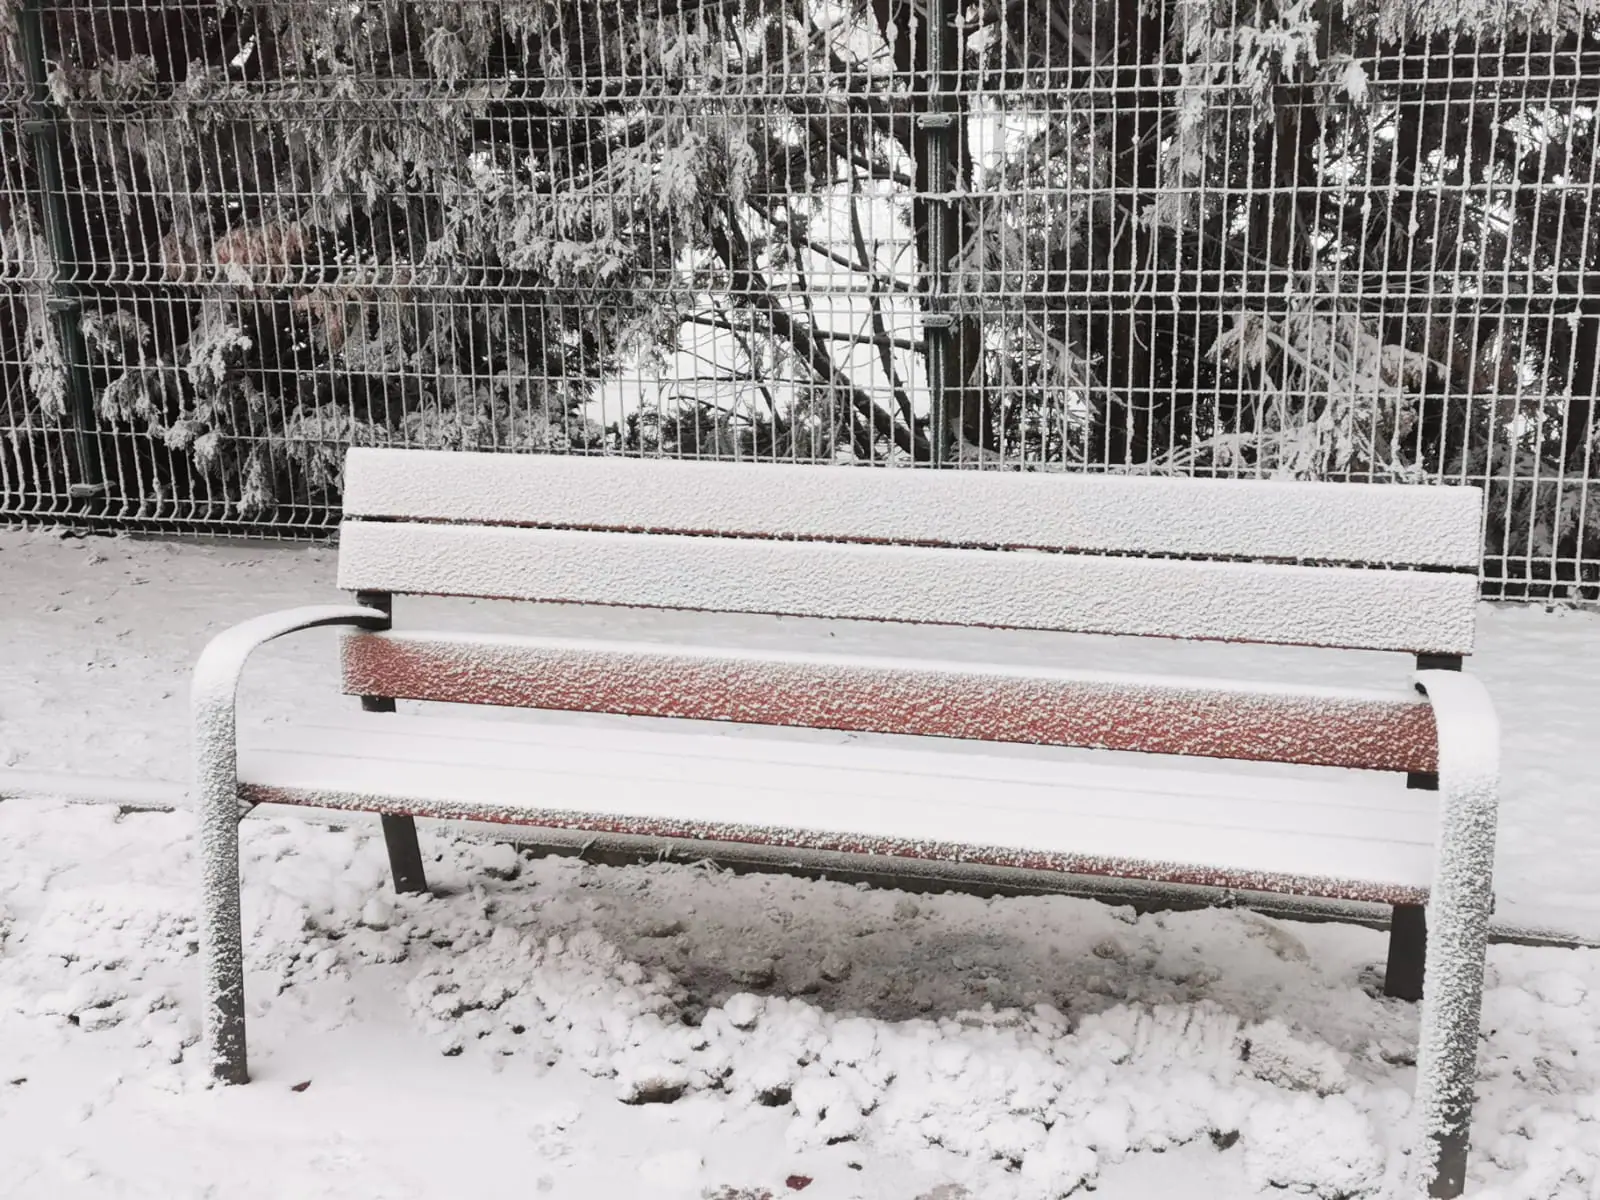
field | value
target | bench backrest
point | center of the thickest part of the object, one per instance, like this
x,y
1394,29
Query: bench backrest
x,y
1256,561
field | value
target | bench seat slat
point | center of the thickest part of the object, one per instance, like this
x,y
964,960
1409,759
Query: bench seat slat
x,y
1303,836
1288,605
1296,521
586,741
1205,718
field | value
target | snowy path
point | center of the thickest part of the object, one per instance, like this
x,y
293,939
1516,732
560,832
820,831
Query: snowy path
x,y
461,1045
884,1046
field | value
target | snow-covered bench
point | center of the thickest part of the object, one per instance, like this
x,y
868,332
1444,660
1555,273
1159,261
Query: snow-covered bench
x,y
1338,565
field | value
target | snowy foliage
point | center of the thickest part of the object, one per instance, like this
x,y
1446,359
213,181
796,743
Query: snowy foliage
x,y
406,222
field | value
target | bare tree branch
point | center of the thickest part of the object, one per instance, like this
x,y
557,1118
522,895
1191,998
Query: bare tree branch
x,y
742,337
826,335
861,439
731,245
828,252
879,330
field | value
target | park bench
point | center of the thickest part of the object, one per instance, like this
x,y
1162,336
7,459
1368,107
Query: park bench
x,y
1353,566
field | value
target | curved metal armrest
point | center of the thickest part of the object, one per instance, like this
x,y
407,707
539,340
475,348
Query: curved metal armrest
x,y
1469,743
214,686
212,696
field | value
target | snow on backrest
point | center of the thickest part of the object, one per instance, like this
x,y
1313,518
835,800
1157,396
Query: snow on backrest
x,y
1423,611
1384,524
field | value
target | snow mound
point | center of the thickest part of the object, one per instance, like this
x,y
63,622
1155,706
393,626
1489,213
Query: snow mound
x,y
105,928
985,1036
1277,1056
1019,1088
1323,1148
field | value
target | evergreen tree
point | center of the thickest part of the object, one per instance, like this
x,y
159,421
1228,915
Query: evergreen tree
x,y
1286,237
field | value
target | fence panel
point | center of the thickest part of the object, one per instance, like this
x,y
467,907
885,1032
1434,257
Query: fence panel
x,y
1217,237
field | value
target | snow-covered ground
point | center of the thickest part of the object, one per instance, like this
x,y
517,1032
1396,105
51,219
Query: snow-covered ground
x,y
549,1027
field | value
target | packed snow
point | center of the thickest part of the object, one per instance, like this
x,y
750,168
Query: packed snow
x,y
555,1027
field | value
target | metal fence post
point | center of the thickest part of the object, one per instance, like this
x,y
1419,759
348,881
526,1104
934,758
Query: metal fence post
x,y
940,132
62,299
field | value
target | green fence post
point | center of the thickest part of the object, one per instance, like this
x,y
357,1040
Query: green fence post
x,y
940,130
63,300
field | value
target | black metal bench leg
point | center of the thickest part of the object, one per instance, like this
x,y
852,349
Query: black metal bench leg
x,y
1408,931
1408,950
399,832
1451,1163
405,856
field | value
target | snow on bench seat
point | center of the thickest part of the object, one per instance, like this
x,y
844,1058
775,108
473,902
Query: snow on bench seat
x,y
1321,833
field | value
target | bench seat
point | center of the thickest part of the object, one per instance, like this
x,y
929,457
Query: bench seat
x,y
1306,831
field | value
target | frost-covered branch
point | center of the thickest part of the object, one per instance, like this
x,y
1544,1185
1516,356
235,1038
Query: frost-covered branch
x,y
875,309
713,321
859,265
731,245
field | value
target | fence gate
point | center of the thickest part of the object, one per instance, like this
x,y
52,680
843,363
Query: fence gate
x,y
1301,238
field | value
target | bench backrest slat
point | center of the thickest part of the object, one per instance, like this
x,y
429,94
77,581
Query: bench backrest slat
x,y
1382,524
1419,611
1039,706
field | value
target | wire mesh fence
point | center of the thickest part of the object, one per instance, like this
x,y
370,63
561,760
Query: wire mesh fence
x,y
1309,239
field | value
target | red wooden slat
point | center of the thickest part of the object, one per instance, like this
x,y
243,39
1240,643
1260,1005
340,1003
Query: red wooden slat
x,y
882,696
845,843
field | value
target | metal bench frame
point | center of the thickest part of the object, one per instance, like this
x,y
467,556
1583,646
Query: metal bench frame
x,y
794,540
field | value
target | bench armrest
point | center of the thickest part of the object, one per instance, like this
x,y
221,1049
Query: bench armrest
x,y
1458,921
1469,732
213,691
214,685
